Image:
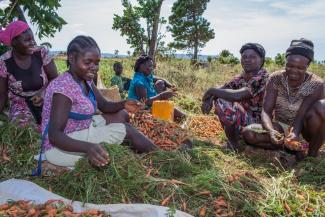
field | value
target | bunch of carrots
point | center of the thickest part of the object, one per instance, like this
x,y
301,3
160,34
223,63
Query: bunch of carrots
x,y
205,127
166,135
51,208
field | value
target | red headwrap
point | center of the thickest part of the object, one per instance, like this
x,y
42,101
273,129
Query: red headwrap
x,y
13,29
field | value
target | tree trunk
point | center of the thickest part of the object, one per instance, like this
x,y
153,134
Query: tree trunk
x,y
154,34
196,39
19,11
196,49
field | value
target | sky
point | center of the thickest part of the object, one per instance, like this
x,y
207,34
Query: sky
x,y
272,23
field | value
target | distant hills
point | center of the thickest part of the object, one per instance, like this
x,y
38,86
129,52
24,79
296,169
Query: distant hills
x,y
110,55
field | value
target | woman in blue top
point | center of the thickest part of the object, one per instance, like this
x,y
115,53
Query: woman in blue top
x,y
148,88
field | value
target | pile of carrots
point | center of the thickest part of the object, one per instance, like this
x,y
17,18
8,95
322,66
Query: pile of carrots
x,y
51,208
205,127
166,135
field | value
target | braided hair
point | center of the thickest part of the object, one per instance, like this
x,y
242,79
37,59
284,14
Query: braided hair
x,y
141,60
79,44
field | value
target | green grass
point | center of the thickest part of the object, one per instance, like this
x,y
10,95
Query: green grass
x,y
252,185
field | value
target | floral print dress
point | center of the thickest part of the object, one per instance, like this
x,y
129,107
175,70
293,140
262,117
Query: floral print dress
x,y
247,111
18,108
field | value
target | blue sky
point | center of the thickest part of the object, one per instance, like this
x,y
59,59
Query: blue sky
x,y
272,23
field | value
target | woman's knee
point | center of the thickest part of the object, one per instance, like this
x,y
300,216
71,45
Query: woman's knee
x,y
248,135
315,117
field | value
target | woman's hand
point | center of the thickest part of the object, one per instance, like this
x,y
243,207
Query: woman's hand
x,y
207,106
97,155
37,100
133,106
167,95
292,142
276,137
208,94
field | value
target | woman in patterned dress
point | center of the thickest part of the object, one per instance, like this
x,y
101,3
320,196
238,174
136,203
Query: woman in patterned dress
x,y
25,72
239,102
295,100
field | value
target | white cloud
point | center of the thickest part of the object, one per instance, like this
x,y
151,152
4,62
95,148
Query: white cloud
x,y
302,10
4,4
271,23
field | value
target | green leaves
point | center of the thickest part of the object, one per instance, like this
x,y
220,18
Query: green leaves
x,y
139,36
189,29
42,13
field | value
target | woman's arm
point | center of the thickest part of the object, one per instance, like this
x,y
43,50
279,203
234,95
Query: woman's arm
x,y
269,102
305,105
228,94
167,83
51,70
106,106
3,93
142,94
61,106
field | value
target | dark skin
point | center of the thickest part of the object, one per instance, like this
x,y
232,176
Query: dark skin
x,y
146,68
118,69
23,47
310,119
83,68
251,63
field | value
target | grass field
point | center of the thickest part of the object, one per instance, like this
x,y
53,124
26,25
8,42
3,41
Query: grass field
x,y
250,183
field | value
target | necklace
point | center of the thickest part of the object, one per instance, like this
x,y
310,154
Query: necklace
x,y
292,99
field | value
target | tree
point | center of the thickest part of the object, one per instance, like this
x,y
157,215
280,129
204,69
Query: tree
x,y
129,53
279,59
268,61
42,13
116,53
189,29
225,57
141,39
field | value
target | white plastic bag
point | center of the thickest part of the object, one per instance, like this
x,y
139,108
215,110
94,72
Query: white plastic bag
x,y
16,189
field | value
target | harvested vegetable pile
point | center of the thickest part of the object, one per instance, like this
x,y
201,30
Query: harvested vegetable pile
x,y
166,135
51,208
204,127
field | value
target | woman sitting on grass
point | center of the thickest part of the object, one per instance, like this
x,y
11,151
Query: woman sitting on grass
x,y
295,99
25,72
148,88
239,102
70,130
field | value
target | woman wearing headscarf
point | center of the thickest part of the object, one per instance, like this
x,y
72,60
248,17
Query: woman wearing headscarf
x,y
25,71
238,103
295,101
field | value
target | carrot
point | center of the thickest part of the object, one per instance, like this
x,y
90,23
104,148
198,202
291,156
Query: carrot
x,y
4,206
165,201
287,207
91,212
203,211
204,193
176,182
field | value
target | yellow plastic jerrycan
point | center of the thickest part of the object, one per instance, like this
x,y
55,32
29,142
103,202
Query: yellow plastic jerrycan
x,y
163,109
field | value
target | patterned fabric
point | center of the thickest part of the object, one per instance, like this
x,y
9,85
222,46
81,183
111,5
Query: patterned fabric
x,y
18,109
256,86
140,80
247,111
232,113
290,99
81,104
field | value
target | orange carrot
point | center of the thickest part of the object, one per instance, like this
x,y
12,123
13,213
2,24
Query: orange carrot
x,y
165,201
203,211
